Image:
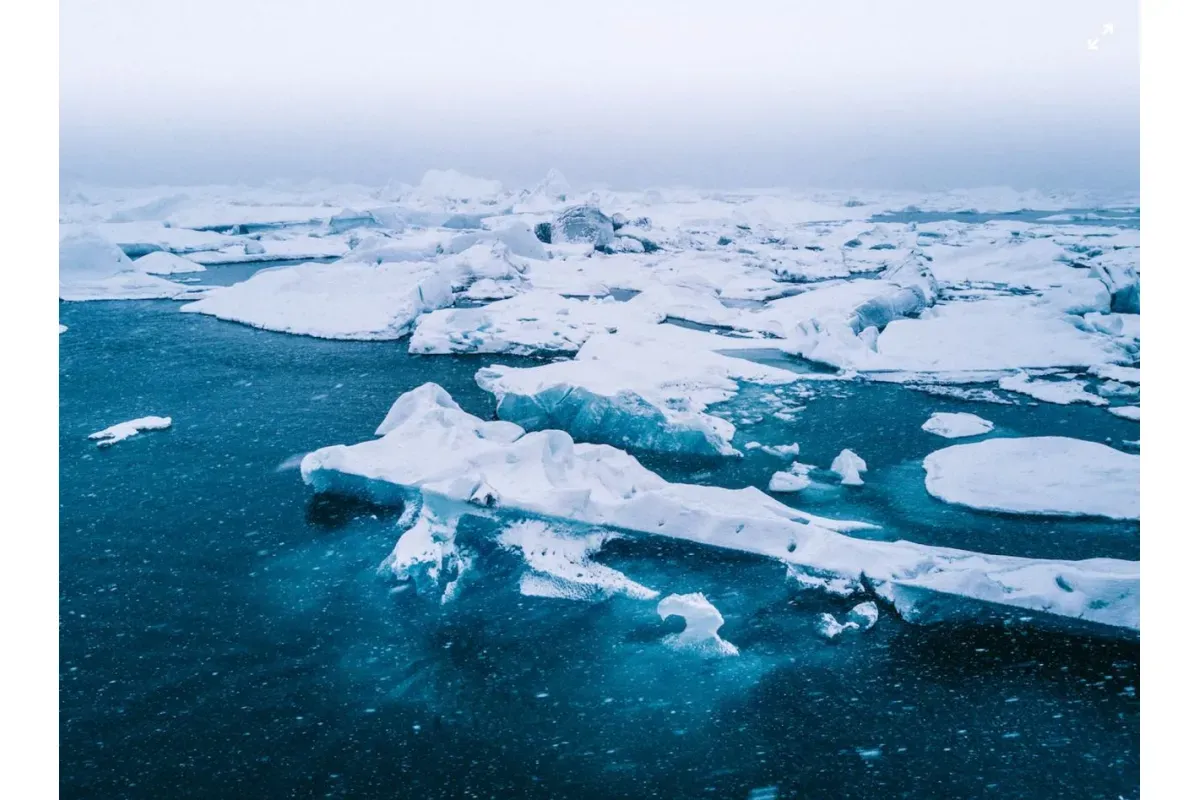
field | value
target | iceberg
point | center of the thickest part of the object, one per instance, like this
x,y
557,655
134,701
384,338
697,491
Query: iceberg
x,y
860,618
123,430
955,425
848,465
1041,475
643,390
1062,392
92,268
703,623
333,301
447,463
795,479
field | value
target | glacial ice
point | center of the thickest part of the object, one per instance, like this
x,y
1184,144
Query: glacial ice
x,y
582,224
1127,412
447,463
794,479
123,430
703,623
332,301
860,618
163,263
1062,392
91,267
955,425
1042,475
848,465
643,390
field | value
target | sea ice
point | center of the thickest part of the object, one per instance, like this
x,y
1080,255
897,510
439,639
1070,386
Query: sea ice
x,y
954,425
164,263
1062,392
123,430
1127,412
92,268
703,623
860,618
333,301
849,465
448,463
795,479
1043,475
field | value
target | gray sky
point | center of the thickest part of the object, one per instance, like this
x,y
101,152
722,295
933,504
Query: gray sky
x,y
916,94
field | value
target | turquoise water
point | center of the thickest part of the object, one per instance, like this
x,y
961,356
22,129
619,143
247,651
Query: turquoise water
x,y
225,634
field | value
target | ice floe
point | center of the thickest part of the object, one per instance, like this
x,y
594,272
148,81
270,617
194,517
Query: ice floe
x,y
955,425
561,566
1127,412
1042,475
91,267
123,430
1062,392
860,618
703,623
444,462
848,465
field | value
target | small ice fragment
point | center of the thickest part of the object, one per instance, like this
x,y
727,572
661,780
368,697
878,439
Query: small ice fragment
x,y
953,425
1128,412
788,482
849,465
124,430
62,329
703,622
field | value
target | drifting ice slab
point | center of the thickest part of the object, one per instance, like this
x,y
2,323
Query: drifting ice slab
x,y
435,454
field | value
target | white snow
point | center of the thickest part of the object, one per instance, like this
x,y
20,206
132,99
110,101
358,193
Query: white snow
x,y
163,263
1127,412
703,623
1062,392
1044,475
332,301
123,430
451,463
794,480
848,465
92,268
955,425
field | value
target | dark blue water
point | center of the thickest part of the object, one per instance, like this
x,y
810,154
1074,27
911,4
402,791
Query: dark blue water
x,y
225,634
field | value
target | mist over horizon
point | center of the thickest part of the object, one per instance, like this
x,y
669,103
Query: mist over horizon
x,y
918,95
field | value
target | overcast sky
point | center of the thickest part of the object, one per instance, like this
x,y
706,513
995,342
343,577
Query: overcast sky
x,y
918,94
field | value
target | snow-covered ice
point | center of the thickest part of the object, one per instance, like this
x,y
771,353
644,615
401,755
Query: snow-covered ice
x,y
848,465
1042,475
446,462
1127,412
703,623
955,425
561,565
123,430
1062,392
91,267
860,618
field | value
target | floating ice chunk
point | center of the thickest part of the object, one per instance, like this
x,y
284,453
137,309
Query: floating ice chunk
x,y
861,618
333,301
434,453
849,465
561,564
533,322
123,430
794,480
645,389
782,450
1128,412
92,268
1043,475
954,425
517,237
428,555
62,329
1060,392
164,263
703,622
582,224
1114,373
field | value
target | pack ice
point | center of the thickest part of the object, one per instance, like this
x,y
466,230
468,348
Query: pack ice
x,y
444,463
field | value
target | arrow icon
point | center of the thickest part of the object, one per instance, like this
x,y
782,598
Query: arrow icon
x,y
1108,28
1093,44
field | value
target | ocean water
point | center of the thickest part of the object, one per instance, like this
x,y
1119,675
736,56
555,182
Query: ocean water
x,y
226,634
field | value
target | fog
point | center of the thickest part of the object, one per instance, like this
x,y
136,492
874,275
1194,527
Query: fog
x,y
919,95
